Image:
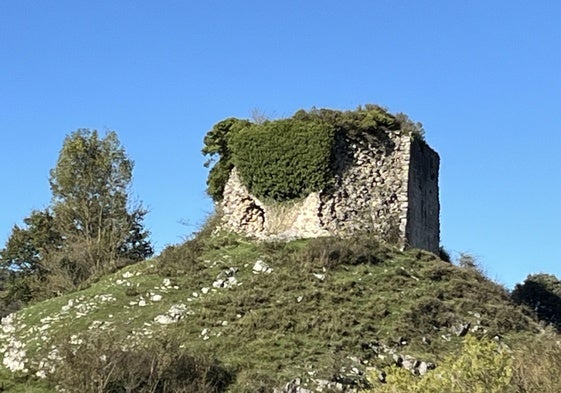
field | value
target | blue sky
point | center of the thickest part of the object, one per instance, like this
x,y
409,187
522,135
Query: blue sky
x,y
482,76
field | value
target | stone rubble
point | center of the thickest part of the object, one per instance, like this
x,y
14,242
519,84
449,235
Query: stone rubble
x,y
15,337
226,279
261,267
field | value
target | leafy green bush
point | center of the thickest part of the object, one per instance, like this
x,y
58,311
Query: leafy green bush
x,y
481,367
285,159
542,293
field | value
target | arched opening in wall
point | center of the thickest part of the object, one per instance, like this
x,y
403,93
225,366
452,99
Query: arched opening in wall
x,y
253,218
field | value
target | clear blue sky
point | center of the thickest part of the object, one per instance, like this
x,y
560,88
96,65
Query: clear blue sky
x,y
484,77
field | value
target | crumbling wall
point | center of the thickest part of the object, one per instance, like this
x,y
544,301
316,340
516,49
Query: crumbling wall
x,y
370,191
247,214
385,184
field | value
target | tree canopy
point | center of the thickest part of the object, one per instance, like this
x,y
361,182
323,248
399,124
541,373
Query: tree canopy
x,y
90,226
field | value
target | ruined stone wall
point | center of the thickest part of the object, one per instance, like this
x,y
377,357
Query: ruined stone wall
x,y
370,188
387,185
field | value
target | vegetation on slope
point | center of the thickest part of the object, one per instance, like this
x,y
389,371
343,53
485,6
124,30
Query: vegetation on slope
x,y
251,316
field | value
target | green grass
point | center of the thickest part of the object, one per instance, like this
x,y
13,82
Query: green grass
x,y
11,384
309,317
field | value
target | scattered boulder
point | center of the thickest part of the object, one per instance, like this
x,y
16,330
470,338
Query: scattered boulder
x,y
424,367
293,386
225,279
261,267
462,329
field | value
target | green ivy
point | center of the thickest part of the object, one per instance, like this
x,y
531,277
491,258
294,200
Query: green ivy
x,y
217,148
284,159
289,158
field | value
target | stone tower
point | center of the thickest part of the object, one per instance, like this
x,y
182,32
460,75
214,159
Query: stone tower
x,y
386,185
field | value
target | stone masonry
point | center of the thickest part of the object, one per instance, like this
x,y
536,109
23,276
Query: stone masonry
x,y
386,185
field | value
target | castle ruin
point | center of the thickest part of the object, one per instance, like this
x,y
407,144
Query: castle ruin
x,y
388,187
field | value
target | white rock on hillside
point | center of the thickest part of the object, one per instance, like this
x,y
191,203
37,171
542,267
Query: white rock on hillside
x,y
261,267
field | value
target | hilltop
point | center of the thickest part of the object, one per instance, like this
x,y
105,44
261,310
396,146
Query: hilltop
x,y
241,315
322,275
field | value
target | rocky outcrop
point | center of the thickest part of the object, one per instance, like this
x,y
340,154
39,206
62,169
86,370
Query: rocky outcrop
x,y
386,185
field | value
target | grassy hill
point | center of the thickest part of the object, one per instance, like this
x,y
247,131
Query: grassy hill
x,y
220,312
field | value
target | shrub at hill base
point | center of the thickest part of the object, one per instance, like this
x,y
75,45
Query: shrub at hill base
x,y
482,367
101,365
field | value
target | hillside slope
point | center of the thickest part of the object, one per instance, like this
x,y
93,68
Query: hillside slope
x,y
257,315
